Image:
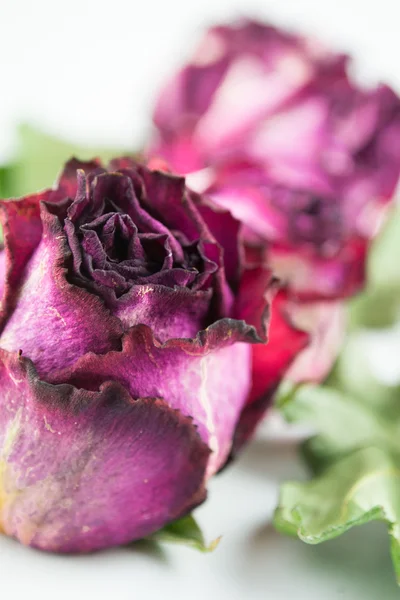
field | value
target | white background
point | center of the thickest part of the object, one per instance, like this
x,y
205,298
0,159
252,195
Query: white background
x,y
88,71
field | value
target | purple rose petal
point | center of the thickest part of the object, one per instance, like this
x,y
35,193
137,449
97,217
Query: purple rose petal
x,y
207,378
81,470
127,369
54,322
272,127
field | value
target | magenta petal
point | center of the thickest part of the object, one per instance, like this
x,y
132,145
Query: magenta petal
x,y
257,289
171,313
239,76
168,196
273,127
121,163
326,324
67,182
322,278
55,322
22,233
207,378
23,230
226,230
81,471
2,272
270,363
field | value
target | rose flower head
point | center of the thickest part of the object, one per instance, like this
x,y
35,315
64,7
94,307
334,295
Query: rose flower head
x,y
127,376
272,126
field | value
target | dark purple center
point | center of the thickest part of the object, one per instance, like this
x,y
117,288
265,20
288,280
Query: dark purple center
x,y
312,219
119,239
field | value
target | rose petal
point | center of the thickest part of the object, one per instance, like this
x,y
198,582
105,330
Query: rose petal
x,y
273,127
67,182
270,362
171,313
22,228
226,230
55,322
22,231
168,196
326,323
81,471
257,289
207,378
122,162
315,278
2,272
239,76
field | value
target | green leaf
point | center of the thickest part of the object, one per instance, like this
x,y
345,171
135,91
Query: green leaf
x,y
359,488
286,393
382,267
343,424
352,376
354,455
6,179
40,158
185,531
379,305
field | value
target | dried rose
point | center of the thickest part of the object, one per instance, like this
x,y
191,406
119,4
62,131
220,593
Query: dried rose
x,y
128,325
272,126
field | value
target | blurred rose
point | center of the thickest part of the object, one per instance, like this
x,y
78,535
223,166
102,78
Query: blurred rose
x,y
272,126
128,325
